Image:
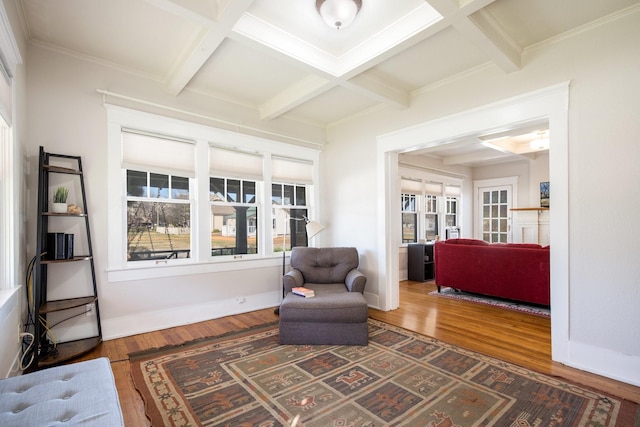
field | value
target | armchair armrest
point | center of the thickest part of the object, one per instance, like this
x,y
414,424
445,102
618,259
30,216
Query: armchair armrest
x,y
355,281
291,280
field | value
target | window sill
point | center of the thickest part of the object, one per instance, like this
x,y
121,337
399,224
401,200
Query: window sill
x,y
151,271
6,294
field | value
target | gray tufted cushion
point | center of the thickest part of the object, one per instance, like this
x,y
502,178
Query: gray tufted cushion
x,y
81,393
324,265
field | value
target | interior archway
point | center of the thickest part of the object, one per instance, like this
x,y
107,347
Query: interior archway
x,y
551,105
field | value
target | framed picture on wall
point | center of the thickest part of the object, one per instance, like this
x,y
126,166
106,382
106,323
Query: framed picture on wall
x,y
544,194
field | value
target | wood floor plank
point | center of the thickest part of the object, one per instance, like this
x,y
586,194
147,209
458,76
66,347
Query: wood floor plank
x,y
519,338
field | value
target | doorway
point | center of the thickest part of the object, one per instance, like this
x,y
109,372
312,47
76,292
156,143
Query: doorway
x,y
549,104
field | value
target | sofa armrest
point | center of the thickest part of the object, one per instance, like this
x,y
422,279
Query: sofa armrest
x,y
355,281
291,280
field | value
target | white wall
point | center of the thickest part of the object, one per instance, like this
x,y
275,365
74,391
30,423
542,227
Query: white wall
x,y
602,65
13,299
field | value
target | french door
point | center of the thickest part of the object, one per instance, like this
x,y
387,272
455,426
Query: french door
x,y
495,213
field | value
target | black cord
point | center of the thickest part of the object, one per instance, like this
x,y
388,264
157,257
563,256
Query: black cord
x,y
68,318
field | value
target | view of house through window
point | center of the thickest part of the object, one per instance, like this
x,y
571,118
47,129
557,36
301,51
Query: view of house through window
x,y
234,216
289,210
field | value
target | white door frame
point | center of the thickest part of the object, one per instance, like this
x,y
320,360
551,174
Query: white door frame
x,y
550,104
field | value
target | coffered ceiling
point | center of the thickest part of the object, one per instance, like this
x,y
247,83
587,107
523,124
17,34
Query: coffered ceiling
x,y
279,58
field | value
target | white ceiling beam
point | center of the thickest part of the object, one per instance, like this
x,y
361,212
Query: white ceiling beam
x,y
480,156
206,44
295,95
378,90
486,33
479,27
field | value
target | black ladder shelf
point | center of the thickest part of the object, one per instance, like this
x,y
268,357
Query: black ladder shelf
x,y
55,170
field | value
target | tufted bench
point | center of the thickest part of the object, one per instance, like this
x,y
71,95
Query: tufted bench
x,y
80,393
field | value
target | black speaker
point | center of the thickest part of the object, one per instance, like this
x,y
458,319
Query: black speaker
x,y
68,246
56,246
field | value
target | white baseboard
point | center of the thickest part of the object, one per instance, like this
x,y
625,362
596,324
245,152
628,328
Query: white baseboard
x,y
149,321
604,362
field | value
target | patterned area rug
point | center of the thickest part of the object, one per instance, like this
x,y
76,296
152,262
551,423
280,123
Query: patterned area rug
x,y
400,378
485,299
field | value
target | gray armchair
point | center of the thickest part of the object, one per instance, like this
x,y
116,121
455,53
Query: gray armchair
x,y
338,313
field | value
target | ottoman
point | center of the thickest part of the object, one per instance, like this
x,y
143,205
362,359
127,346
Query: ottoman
x,y
333,316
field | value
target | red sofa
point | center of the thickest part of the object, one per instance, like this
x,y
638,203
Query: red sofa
x,y
515,271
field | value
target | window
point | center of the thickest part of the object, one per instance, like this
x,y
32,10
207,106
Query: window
x,y
234,216
411,190
409,218
189,198
452,193
158,200
431,217
289,203
158,216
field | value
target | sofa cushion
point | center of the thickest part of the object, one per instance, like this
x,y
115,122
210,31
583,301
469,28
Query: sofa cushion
x,y
324,265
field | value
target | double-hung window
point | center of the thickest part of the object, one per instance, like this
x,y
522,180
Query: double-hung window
x,y
452,193
235,183
431,218
290,188
234,216
159,203
411,191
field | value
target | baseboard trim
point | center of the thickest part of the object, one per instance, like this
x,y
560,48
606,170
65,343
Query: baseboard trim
x,y
604,362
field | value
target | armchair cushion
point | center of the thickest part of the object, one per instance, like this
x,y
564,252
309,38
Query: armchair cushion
x,y
324,265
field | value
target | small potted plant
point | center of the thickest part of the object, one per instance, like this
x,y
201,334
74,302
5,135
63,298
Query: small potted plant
x,y
60,200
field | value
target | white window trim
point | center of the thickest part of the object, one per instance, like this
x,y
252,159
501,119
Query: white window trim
x,y
120,117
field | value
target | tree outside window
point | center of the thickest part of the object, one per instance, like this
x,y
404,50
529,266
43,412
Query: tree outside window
x,y
158,216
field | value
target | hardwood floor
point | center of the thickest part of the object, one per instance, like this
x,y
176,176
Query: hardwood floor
x,y
519,338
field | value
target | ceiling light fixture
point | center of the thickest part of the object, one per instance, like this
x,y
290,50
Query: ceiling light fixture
x,y
541,142
338,13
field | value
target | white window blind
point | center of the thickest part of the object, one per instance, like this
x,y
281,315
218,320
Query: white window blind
x,y
433,188
452,190
230,163
410,186
157,154
295,171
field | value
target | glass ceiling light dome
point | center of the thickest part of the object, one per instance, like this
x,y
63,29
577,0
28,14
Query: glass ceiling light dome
x,y
338,13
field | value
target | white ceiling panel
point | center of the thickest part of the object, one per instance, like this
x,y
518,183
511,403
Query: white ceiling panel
x,y
532,21
250,75
130,33
436,58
